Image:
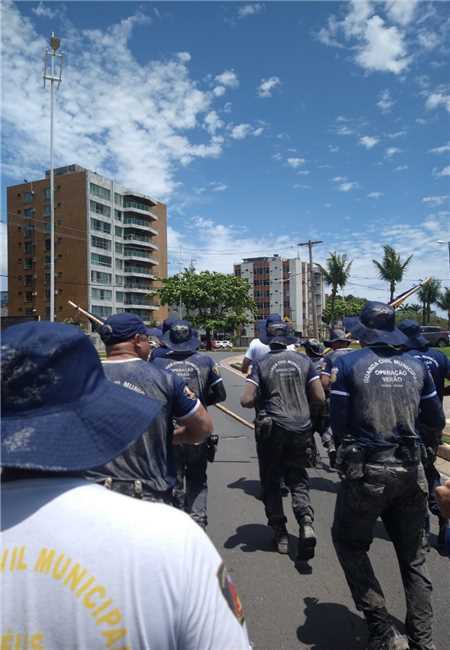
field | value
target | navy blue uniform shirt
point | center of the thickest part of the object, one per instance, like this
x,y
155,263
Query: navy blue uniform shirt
x,y
376,394
329,359
282,377
199,371
158,352
150,458
438,364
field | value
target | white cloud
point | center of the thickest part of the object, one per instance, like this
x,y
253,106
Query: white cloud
x,y
438,99
332,148
250,9
428,40
385,103
227,107
295,162
228,78
129,120
347,186
184,57
392,151
375,195
401,11
213,122
444,149
339,179
384,49
218,187
443,172
435,200
396,134
421,121
219,91
401,168
368,141
258,131
43,11
241,131
277,156
344,130
267,85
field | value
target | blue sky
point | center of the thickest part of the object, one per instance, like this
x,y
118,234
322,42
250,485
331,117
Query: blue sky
x,y
260,124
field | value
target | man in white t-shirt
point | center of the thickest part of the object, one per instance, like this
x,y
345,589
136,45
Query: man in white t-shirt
x,y
257,349
86,568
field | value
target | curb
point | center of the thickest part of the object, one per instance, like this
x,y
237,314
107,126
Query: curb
x,y
444,452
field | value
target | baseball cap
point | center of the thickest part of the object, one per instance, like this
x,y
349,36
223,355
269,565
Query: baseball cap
x,y
122,327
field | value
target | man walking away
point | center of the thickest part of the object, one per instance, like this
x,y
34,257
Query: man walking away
x,y
377,396
257,349
439,366
84,567
287,386
202,376
146,469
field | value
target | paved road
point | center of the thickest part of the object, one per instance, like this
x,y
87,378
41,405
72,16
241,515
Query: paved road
x,y
286,609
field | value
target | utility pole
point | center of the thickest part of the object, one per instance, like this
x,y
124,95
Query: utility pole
x,y
310,243
53,61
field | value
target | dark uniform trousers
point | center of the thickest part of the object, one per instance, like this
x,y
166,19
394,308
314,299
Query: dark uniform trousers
x,y
285,455
191,490
138,490
397,494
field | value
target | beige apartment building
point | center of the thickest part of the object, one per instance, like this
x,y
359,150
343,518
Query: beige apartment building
x,y
110,247
282,286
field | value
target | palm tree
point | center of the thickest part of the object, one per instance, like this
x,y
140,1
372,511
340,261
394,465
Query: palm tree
x,y
391,268
428,295
336,274
444,302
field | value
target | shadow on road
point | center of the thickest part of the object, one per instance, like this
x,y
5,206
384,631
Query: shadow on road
x,y
254,537
329,625
249,486
322,484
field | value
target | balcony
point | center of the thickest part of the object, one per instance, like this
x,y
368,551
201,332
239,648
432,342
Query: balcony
x,y
140,271
139,254
140,240
137,222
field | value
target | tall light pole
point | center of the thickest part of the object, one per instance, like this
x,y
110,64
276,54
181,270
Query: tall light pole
x,y
310,243
441,241
53,61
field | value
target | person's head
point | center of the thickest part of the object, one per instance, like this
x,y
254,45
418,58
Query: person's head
x,y
154,337
180,337
59,411
411,329
125,334
279,335
313,348
376,326
167,323
338,339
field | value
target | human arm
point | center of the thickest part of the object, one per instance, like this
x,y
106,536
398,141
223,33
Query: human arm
x,y
443,497
246,363
339,403
325,373
431,419
248,397
216,389
195,423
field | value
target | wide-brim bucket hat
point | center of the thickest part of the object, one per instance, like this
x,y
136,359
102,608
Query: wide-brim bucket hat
x,y
59,411
279,332
180,337
376,326
411,329
337,336
314,347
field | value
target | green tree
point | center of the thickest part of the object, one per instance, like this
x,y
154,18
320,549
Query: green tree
x,y
391,268
428,295
336,273
444,303
343,306
212,301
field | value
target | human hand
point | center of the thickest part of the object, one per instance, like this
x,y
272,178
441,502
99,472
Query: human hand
x,y
443,497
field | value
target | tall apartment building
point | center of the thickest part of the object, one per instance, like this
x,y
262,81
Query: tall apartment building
x,y
110,247
282,286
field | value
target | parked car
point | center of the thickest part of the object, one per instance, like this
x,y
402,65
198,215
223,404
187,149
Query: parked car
x,y
436,336
227,345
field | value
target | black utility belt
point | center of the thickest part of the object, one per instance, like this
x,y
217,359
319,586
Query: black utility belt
x,y
133,488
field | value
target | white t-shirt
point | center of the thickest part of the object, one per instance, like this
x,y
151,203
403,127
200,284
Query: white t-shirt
x,y
84,568
257,350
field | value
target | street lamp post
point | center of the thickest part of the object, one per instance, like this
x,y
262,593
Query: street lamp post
x,y
53,61
441,241
310,245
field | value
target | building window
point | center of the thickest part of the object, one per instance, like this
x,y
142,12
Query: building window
x,y
101,278
28,263
119,248
28,280
101,311
119,265
28,296
101,192
100,260
129,203
119,231
99,208
99,242
28,197
28,248
119,296
119,280
29,212
47,211
101,226
101,294
118,198
118,214
29,230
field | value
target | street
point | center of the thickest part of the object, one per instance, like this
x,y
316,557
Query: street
x,y
286,609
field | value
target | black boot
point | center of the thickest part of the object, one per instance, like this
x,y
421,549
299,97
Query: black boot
x,y
306,539
281,539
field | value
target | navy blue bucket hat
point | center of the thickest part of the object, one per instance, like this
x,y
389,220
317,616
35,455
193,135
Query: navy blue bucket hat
x,y
180,337
376,326
337,335
59,412
314,346
279,332
411,329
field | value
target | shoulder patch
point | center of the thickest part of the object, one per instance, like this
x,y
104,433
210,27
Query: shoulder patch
x,y
334,374
229,591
